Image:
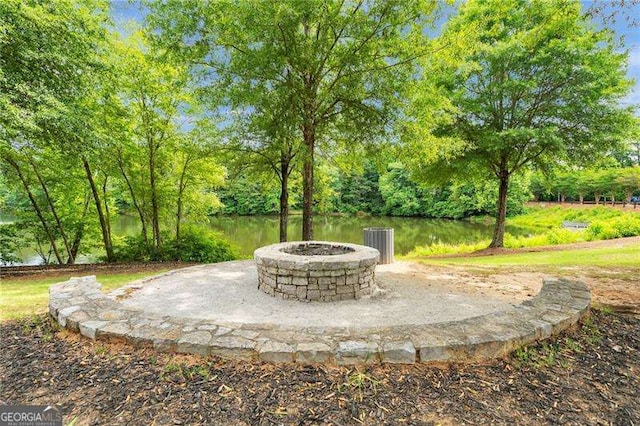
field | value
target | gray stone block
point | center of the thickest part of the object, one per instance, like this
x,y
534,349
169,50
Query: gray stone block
x,y
234,347
312,353
357,352
273,351
398,352
63,314
90,328
196,342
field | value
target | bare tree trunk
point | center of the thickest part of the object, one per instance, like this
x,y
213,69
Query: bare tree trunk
x,y
307,183
501,216
134,199
77,238
182,185
52,208
284,198
105,201
155,220
34,203
104,226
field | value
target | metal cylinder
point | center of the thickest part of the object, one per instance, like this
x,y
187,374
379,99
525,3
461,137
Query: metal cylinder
x,y
382,240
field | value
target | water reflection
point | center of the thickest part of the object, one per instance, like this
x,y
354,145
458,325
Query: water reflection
x,y
251,232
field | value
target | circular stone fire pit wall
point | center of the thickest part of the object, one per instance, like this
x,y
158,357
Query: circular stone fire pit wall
x,y
316,270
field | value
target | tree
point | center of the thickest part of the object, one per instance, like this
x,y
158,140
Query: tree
x,y
265,143
153,91
49,57
337,67
533,84
628,179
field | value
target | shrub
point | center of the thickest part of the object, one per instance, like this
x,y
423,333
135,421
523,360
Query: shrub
x,y
440,249
195,244
622,226
202,246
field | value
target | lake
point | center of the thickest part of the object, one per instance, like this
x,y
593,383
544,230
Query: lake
x,y
251,232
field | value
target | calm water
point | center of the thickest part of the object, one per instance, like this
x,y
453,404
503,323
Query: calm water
x,y
251,232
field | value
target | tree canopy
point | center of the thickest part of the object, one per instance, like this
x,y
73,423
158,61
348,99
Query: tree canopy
x,y
334,71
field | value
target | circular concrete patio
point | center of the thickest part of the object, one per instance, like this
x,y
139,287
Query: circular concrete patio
x,y
413,316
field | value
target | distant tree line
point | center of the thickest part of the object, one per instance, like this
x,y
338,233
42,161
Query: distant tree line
x,y
391,192
597,186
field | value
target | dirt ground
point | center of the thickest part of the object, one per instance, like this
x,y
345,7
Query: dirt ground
x,y
617,289
586,376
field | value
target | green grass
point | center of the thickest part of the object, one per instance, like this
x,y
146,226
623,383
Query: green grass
x,y
22,297
628,257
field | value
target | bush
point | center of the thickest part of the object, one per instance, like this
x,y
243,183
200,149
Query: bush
x,y
12,239
202,246
195,244
442,249
622,226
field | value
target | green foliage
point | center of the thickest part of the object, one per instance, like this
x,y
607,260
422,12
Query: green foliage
x,y
243,196
325,73
589,184
551,237
442,249
12,239
552,217
402,197
532,84
358,192
604,223
201,245
627,225
194,245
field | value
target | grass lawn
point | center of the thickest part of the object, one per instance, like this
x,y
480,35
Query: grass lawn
x,y
23,297
625,257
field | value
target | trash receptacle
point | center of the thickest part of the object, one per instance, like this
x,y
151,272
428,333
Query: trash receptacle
x,y
382,240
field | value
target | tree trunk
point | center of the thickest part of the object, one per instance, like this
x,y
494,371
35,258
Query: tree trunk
x,y
581,196
155,219
52,208
34,203
77,238
597,196
134,200
105,201
501,216
182,185
106,236
284,198
307,183
613,198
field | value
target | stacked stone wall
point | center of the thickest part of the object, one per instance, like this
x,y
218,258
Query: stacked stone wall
x,y
325,278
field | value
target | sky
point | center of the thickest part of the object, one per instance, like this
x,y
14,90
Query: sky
x,y
125,10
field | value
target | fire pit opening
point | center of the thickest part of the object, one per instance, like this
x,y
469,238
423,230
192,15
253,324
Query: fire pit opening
x,y
317,249
316,270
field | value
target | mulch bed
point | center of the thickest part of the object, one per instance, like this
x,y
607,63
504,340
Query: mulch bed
x,y
30,272
586,376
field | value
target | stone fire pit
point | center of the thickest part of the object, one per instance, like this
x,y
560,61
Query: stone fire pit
x,y
316,270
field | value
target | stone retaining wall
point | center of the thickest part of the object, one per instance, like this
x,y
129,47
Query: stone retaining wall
x,y
79,305
324,278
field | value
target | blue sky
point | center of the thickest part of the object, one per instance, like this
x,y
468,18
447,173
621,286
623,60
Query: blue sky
x,y
124,10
